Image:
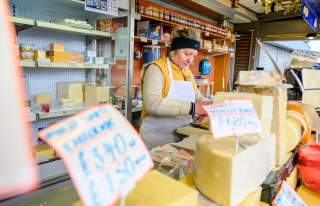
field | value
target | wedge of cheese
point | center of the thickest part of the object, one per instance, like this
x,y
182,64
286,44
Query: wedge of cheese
x,y
279,94
296,129
262,104
157,189
227,176
310,197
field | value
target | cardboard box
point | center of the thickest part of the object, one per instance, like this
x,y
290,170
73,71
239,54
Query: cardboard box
x,y
57,47
96,94
143,28
66,57
73,91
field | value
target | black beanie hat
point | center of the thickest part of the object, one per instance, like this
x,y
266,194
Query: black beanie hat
x,y
184,43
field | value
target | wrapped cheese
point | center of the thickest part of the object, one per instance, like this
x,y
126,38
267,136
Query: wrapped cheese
x,y
227,176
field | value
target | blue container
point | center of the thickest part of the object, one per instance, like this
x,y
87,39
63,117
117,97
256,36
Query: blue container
x,y
205,67
150,53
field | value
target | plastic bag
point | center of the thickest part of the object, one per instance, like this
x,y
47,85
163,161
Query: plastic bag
x,y
309,166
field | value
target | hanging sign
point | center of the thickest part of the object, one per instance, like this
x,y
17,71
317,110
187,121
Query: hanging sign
x,y
18,173
102,152
108,7
311,13
234,117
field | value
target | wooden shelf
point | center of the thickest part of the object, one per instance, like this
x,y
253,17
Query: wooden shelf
x,y
151,41
217,36
214,52
32,64
20,21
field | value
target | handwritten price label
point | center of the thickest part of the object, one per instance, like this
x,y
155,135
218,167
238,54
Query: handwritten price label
x,y
288,197
234,117
103,153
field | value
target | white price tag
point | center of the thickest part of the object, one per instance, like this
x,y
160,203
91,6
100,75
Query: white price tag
x,y
287,197
154,42
234,117
102,152
143,39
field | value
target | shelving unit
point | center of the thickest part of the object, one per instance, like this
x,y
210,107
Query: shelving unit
x,y
151,41
32,64
214,52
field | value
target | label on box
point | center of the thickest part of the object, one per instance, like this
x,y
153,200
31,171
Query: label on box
x,y
234,117
287,197
102,152
154,42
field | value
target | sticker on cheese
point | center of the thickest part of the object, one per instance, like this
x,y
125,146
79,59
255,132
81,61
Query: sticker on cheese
x,y
18,172
234,117
103,153
287,197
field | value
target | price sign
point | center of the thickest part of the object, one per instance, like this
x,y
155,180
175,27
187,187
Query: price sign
x,y
102,152
288,197
234,117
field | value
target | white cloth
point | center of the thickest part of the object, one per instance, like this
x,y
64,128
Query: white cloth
x,y
156,130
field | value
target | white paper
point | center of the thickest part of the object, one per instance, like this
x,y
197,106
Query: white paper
x,y
234,117
102,152
288,197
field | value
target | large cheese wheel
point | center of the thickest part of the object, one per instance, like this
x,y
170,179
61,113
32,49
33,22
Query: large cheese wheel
x,y
296,129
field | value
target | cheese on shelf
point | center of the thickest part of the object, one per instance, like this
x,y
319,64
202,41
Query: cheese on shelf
x,y
279,94
42,98
157,189
310,78
310,197
262,104
94,95
227,176
73,91
253,199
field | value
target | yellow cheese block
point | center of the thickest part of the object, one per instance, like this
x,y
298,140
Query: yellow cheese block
x,y
227,176
311,97
296,127
262,104
253,199
279,94
44,151
42,99
310,78
292,180
310,197
260,78
188,180
73,91
157,189
95,94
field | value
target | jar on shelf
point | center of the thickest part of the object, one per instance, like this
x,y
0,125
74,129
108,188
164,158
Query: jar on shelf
x,y
149,11
141,9
167,15
161,14
155,12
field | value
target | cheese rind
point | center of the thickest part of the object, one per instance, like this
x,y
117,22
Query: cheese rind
x,y
227,176
296,127
157,189
262,104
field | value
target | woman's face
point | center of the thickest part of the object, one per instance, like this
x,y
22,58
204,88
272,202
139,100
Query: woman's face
x,y
184,57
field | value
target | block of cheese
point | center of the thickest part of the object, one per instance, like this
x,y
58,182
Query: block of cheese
x,y
157,189
310,78
227,176
57,47
296,129
94,95
310,197
279,94
42,98
258,78
262,104
292,180
73,91
311,97
253,199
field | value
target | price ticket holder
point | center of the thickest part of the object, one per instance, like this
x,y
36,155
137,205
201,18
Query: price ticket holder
x,y
233,118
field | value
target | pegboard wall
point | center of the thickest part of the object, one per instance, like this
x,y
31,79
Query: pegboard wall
x,y
44,80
